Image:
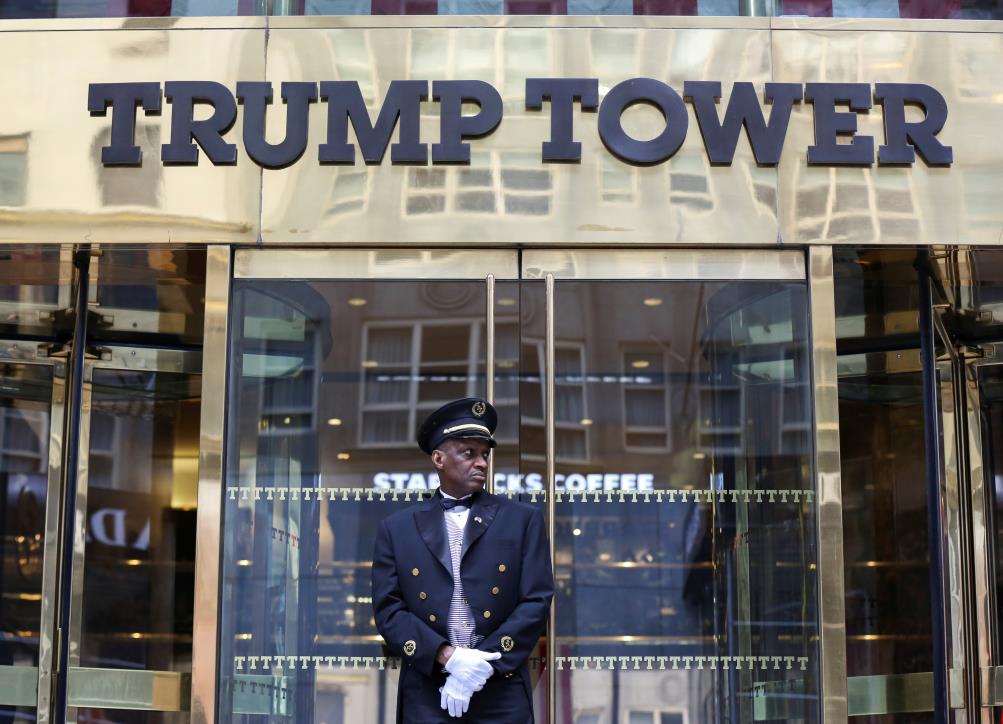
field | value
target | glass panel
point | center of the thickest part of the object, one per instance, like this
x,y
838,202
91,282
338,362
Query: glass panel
x,y
135,608
31,292
25,409
686,587
990,380
368,361
883,459
149,296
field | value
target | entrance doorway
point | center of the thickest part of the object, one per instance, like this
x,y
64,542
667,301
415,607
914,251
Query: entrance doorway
x,y
671,412
100,387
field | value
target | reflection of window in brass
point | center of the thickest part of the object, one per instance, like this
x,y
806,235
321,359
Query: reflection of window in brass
x,y
13,170
689,182
130,185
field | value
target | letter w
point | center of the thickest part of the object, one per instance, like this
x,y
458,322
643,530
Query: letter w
x,y
720,139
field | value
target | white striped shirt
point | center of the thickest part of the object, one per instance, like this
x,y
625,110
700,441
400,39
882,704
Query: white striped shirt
x,y
461,618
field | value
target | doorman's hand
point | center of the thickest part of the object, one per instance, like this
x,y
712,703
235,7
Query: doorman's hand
x,y
471,667
455,697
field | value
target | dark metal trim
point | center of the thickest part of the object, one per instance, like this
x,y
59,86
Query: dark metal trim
x,y
71,454
935,503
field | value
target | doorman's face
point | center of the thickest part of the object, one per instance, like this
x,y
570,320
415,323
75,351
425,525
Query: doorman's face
x,y
462,465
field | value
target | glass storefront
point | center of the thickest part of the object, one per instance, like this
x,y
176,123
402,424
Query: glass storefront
x,y
685,541
678,398
756,397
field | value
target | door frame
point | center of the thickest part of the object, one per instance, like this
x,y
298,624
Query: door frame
x,y
814,266
985,684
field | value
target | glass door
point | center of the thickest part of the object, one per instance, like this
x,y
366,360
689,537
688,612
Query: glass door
x,y
133,562
965,343
686,538
31,418
657,406
985,385
335,358
35,297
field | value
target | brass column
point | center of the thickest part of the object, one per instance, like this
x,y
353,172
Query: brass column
x,y
551,450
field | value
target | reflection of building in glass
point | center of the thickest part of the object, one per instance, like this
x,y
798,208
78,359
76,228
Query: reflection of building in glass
x,y
683,440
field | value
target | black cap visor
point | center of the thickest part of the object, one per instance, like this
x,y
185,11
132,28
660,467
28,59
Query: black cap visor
x,y
472,434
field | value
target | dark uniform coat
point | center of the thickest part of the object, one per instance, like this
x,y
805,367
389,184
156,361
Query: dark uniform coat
x,y
507,581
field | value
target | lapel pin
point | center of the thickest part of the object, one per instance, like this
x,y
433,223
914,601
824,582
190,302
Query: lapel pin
x,y
478,519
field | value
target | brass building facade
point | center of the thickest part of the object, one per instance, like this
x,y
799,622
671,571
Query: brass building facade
x,y
760,404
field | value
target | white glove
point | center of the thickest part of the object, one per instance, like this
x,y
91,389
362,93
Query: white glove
x,y
455,697
471,667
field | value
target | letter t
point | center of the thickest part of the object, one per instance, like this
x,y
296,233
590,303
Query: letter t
x,y
123,99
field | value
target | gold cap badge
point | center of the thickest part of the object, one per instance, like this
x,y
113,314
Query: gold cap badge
x,y
479,409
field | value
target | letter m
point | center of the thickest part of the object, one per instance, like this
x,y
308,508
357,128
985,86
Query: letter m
x,y
345,104
766,138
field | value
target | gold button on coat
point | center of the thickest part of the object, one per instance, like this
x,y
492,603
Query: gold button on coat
x,y
487,614
500,568
431,617
422,595
495,590
414,571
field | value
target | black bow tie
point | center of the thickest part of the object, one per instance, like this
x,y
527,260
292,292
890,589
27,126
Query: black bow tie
x,y
449,503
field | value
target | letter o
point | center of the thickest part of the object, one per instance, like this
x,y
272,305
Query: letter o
x,y
643,90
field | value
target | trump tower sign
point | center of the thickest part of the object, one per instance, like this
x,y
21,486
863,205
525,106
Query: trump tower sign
x,y
203,111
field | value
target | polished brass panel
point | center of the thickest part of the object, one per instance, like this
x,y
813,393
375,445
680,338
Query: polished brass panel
x,y
489,361
322,22
79,517
832,617
892,693
210,491
896,205
25,352
374,264
68,196
981,487
18,685
507,195
675,264
992,686
145,359
550,449
956,692
939,25
47,637
128,689
951,485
